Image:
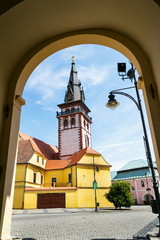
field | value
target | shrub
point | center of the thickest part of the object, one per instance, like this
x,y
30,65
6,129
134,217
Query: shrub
x,y
120,194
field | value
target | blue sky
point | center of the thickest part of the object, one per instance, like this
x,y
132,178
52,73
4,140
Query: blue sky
x,y
116,134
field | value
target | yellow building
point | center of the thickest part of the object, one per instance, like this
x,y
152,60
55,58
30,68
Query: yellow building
x,y
44,182
72,175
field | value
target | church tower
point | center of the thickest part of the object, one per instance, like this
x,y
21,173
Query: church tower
x,y
74,124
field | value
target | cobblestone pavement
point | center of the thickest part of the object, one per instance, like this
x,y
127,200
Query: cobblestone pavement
x,y
84,224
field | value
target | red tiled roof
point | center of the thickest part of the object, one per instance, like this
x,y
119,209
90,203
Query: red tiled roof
x,y
28,145
56,164
76,157
25,151
48,151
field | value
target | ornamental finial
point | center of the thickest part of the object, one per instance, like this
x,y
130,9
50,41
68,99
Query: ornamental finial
x,y
72,58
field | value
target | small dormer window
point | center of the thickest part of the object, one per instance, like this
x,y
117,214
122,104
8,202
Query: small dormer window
x,y
37,158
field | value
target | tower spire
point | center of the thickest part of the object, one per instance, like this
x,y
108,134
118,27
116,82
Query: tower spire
x,y
74,123
74,91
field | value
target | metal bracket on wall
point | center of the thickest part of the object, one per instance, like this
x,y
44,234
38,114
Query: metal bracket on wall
x,y
152,91
7,110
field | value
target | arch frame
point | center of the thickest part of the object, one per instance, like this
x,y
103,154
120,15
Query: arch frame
x,y
104,37
24,68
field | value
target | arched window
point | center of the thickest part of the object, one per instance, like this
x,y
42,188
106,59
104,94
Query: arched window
x,y
87,141
73,122
65,123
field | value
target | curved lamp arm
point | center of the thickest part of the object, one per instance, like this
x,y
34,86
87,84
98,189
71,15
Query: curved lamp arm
x,y
127,95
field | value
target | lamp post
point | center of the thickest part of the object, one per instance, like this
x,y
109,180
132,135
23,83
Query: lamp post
x,y
112,104
95,185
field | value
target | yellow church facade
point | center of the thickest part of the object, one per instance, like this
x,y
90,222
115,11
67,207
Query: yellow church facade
x,y
72,175
72,183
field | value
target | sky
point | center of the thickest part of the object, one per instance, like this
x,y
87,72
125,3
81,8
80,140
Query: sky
x,y
116,134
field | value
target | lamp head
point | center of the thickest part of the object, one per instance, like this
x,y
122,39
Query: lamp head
x,y
112,102
121,67
130,74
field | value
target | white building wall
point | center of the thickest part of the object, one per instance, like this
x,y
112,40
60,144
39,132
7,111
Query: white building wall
x,y
85,132
73,138
69,141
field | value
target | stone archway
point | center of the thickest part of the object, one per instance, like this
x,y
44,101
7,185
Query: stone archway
x,y
147,198
107,38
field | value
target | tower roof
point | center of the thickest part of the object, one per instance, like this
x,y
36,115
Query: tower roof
x,y
74,90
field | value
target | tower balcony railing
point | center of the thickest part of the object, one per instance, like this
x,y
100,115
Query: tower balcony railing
x,y
75,110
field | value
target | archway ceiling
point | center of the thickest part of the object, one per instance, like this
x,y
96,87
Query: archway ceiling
x,y
31,22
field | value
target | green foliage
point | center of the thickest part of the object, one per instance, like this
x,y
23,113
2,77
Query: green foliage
x,y
120,194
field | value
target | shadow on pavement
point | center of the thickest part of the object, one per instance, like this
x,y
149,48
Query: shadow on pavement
x,y
24,239
109,239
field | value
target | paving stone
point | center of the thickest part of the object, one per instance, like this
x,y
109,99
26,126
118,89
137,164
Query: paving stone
x,y
81,224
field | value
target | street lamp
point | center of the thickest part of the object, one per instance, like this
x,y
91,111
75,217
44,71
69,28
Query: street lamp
x,y
112,104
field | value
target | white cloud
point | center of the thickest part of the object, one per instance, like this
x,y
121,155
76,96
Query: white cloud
x,y
50,109
113,145
93,75
45,78
35,122
80,52
47,82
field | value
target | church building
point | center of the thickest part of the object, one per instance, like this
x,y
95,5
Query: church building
x,y
71,176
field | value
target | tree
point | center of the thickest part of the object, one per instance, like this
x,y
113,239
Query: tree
x,y
120,194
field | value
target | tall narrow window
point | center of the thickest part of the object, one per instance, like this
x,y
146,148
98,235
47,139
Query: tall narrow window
x,y
73,122
69,178
65,123
42,179
34,177
87,141
142,184
37,158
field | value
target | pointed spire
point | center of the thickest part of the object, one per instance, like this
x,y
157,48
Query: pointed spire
x,y
74,91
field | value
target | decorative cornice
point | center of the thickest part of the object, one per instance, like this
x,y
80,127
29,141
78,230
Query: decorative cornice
x,y
19,101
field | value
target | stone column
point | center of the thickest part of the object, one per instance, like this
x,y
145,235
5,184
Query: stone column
x,y
8,165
